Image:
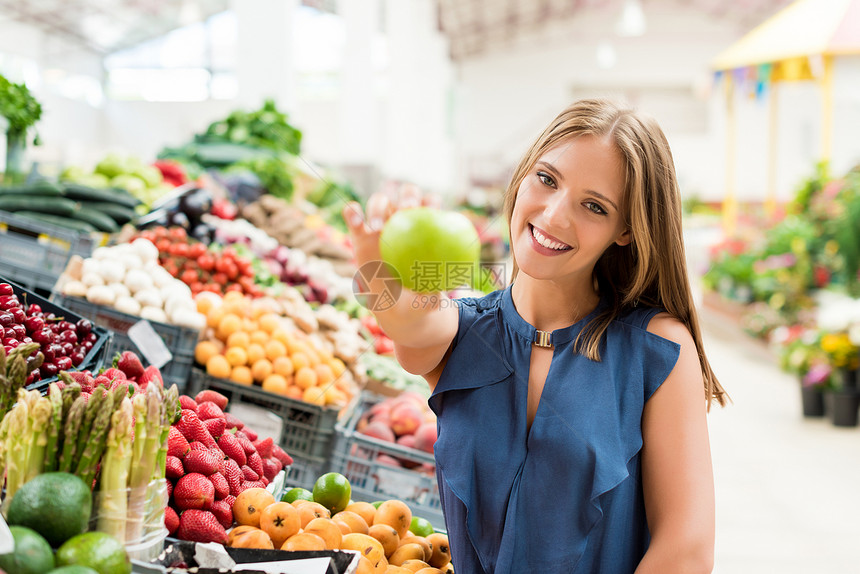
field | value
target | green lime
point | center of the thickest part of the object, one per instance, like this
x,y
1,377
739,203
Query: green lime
x,y
297,494
32,554
377,503
332,490
76,569
421,527
57,505
97,550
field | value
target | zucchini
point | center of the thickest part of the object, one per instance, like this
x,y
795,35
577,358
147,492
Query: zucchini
x,y
39,203
97,219
119,213
59,221
84,193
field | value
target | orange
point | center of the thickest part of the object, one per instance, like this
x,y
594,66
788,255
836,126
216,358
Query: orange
x,y
334,396
363,509
368,546
229,324
214,316
280,521
310,510
218,366
355,522
294,392
386,535
233,296
326,529
283,366
300,359
280,334
249,506
204,351
275,349
394,513
242,375
252,538
255,352
306,377
304,541
236,356
314,396
269,322
239,339
275,384
261,369
260,337
237,531
324,374
249,325
206,301
337,366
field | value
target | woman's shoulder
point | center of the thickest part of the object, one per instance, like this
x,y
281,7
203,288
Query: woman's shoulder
x,y
480,303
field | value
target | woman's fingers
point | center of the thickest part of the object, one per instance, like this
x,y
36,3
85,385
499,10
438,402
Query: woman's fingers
x,y
378,210
410,196
354,217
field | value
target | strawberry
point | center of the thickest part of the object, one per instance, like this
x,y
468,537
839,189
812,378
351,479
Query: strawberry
x,y
215,427
102,380
197,445
177,444
233,422
256,463
169,489
200,526
271,468
231,447
281,455
201,461
265,481
174,468
234,476
252,484
213,396
113,373
222,487
87,397
247,445
223,512
193,491
264,447
171,520
230,499
193,429
84,379
209,410
187,403
151,374
249,473
252,436
129,363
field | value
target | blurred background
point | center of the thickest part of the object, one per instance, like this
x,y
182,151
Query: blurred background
x,y
760,100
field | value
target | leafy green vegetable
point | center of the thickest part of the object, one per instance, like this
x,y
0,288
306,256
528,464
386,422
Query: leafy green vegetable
x,y
266,128
18,106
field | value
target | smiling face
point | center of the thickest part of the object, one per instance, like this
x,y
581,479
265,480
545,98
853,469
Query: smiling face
x,y
568,210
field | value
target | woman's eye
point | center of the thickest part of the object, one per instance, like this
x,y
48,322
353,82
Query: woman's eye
x,y
545,179
595,208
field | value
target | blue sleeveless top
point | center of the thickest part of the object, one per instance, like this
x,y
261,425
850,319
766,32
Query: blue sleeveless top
x,y
565,496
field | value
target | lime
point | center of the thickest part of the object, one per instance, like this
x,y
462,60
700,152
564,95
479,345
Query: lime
x,y
97,550
32,554
57,505
332,490
377,503
76,569
421,527
297,493
431,250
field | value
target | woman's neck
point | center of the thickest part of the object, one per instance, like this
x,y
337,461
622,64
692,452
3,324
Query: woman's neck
x,y
550,305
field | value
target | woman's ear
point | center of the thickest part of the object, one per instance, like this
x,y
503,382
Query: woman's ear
x,y
625,238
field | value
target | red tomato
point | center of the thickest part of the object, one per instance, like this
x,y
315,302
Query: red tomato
x,y
206,262
180,249
233,287
245,267
189,276
232,271
195,250
221,264
160,232
163,245
196,287
171,268
219,279
178,233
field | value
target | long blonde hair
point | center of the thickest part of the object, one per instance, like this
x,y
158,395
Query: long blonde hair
x,y
635,274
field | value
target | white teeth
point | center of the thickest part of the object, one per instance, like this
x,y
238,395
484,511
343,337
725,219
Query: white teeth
x,y
546,242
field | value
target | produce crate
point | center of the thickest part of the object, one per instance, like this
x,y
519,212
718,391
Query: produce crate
x,y
180,340
307,431
95,358
303,473
356,456
34,254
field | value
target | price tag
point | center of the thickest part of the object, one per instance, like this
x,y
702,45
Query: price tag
x,y
149,343
265,422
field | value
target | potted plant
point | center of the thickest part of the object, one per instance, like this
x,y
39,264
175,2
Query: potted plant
x,y
842,401
21,111
801,354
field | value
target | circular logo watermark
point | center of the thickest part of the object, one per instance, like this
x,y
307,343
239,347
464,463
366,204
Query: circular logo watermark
x,y
376,271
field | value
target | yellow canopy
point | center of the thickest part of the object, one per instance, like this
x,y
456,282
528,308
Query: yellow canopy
x,y
804,28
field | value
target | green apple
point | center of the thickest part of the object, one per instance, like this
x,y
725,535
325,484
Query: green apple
x,y
431,250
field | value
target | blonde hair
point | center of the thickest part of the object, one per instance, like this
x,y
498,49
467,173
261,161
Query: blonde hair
x,y
635,274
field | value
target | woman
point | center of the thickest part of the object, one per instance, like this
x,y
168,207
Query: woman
x,y
572,405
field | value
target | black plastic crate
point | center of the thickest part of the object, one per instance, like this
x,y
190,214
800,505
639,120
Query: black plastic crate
x,y
356,456
180,340
97,356
34,253
308,430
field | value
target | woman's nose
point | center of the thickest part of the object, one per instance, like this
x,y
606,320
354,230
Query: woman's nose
x,y
557,212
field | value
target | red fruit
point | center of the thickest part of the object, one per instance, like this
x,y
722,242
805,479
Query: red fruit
x,y
169,489
249,473
271,468
83,378
253,484
223,512
264,447
282,456
201,461
212,396
174,468
103,381
233,422
171,520
215,427
197,445
209,410
231,500
234,476
193,491
247,445
113,373
222,487
201,526
229,444
194,429
252,436
151,374
265,481
188,403
256,463
129,363
177,444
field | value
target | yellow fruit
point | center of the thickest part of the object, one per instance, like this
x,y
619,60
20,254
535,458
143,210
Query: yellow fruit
x,y
337,366
275,384
324,374
334,396
363,509
406,552
233,296
269,322
441,552
261,369
304,541
249,325
367,546
204,351
206,301
394,513
254,538
260,337
305,378
255,353
229,324
314,396
218,366
386,535
283,366
280,521
326,529
280,334
242,375
237,531
239,339
236,356
214,316
275,349
354,520
294,392
249,506
300,359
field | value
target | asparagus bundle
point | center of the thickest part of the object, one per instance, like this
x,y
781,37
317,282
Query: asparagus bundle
x,y
14,369
113,507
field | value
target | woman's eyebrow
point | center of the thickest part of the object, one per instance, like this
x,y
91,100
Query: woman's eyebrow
x,y
560,177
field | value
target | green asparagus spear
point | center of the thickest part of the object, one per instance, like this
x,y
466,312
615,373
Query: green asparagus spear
x,y
168,412
18,448
94,406
4,437
113,484
55,428
72,427
145,451
41,415
95,442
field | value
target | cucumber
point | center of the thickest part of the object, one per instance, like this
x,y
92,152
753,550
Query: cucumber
x,y
84,193
45,188
38,203
59,221
119,213
97,219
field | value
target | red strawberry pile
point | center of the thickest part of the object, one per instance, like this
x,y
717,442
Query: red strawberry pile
x,y
211,458
127,370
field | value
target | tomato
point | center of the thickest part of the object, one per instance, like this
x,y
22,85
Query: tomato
x,y
189,276
206,262
245,267
220,279
179,249
196,287
195,250
150,235
160,232
233,287
232,271
178,233
163,245
170,267
221,264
